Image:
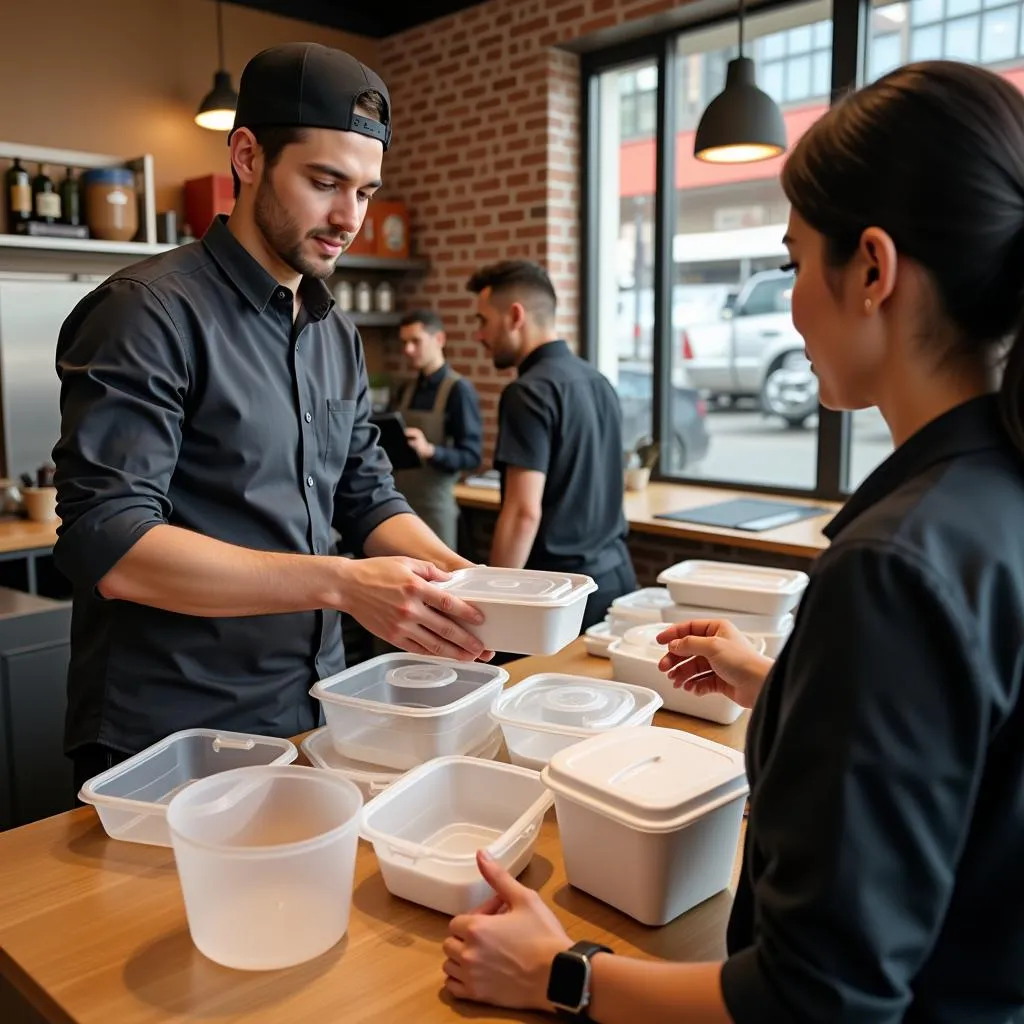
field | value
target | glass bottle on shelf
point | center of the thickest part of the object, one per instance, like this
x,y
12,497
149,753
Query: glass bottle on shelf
x,y
343,295
17,196
45,198
364,298
71,199
385,297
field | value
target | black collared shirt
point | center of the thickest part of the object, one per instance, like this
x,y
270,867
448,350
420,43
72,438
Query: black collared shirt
x,y
561,417
883,876
462,422
189,397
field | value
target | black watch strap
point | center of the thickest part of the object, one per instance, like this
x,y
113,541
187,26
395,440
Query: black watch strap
x,y
589,950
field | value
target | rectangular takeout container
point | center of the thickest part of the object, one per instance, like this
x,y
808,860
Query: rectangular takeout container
x,y
399,710
757,589
131,798
526,611
428,826
649,818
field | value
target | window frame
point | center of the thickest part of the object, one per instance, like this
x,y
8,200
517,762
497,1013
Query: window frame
x,y
850,37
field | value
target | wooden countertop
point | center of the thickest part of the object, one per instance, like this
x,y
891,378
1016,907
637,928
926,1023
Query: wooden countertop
x,y
25,535
801,540
93,931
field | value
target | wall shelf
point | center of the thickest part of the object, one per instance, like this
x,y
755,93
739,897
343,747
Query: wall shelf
x,y
384,263
83,245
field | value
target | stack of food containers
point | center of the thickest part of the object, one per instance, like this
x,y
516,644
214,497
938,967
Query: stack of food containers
x,y
649,818
759,600
635,609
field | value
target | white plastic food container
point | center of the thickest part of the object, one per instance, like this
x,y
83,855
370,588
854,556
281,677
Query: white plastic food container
x,y
399,710
758,589
373,778
427,827
266,858
598,639
635,659
646,605
549,712
527,611
131,798
649,819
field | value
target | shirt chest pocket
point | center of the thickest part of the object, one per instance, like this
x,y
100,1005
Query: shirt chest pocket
x,y
336,435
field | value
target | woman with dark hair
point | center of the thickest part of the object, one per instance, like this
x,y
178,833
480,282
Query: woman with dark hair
x,y
883,873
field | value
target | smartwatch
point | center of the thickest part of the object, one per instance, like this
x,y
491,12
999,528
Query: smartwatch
x,y
569,982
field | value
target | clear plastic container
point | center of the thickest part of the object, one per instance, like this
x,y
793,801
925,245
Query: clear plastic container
x,y
598,639
649,819
131,798
427,827
757,589
266,858
373,778
399,710
635,659
526,611
645,605
546,713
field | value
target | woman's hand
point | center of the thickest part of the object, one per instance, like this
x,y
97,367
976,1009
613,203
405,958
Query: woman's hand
x,y
713,656
501,953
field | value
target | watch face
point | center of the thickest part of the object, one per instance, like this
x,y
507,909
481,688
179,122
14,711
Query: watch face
x,y
568,980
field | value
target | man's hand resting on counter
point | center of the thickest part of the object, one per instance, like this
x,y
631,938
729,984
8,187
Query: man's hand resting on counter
x,y
713,656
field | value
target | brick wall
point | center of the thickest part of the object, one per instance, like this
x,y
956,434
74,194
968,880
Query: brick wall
x,y
486,154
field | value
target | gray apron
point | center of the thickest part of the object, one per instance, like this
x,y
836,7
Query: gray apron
x,y
430,491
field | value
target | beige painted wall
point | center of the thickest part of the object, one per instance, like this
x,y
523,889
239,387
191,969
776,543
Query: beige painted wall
x,y
125,76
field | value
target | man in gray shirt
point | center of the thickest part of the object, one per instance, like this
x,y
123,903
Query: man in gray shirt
x,y
215,427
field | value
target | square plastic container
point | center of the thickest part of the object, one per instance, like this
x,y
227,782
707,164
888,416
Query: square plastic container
x,y
427,827
635,658
373,778
399,710
527,611
757,589
598,639
546,713
131,798
649,819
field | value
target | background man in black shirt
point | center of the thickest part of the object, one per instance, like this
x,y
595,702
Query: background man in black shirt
x,y
559,448
442,415
216,426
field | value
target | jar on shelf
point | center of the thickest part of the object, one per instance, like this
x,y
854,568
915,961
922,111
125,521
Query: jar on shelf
x,y
343,296
384,297
364,297
111,207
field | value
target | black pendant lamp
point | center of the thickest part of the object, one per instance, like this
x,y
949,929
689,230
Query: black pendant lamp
x,y
217,111
742,124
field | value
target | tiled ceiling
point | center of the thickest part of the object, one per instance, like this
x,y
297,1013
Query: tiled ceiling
x,y
383,18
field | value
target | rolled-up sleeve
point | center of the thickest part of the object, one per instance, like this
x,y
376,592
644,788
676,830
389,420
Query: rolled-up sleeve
x,y
124,380
366,495
860,811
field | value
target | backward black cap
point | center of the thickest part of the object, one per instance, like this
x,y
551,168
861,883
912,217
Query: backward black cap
x,y
306,85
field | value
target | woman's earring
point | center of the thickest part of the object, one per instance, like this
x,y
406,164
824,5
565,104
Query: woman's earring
x,y
867,305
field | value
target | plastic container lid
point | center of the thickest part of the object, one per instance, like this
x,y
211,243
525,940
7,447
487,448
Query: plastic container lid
x,y
577,702
519,586
650,779
649,599
643,640
419,677
109,176
749,578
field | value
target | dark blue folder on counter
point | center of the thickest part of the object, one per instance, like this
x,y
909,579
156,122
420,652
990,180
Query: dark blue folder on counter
x,y
753,514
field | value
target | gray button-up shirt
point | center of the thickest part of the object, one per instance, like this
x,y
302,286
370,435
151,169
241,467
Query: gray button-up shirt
x,y
189,397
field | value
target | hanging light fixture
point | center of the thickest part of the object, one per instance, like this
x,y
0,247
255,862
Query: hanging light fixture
x,y
217,111
742,124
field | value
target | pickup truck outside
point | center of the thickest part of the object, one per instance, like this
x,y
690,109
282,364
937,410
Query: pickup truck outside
x,y
753,351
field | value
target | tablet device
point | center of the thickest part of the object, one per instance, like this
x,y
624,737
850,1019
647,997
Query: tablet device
x,y
392,439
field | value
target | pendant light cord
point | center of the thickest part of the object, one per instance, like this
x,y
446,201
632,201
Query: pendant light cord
x,y
220,36
742,5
